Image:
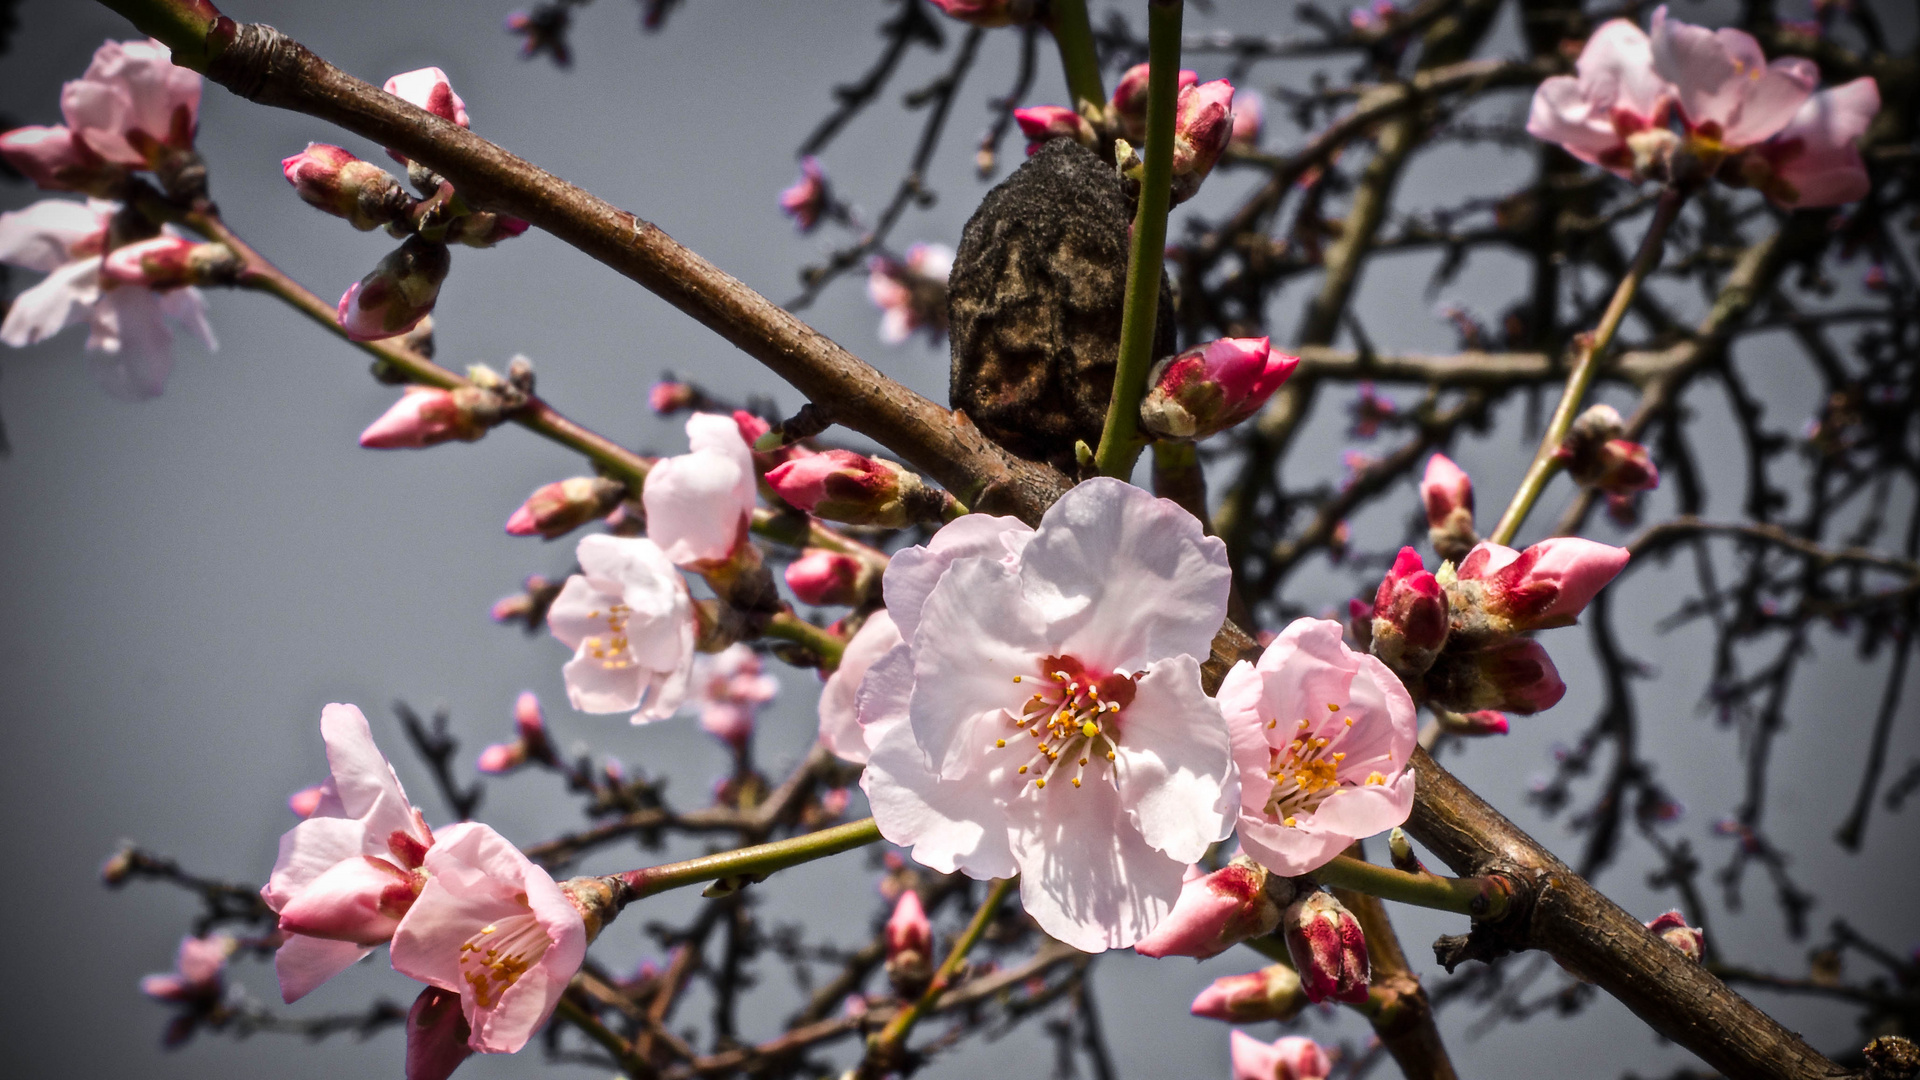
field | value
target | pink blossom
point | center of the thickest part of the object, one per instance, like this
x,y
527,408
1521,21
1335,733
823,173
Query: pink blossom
x,y
1729,96
807,199
1409,616
1546,585
397,293
1481,722
731,686
1214,912
1044,123
1323,736
1210,388
1083,639
1272,993
822,577
1249,116
1447,493
1129,103
840,730
425,416
358,855
911,294
133,103
130,325
1814,161
841,485
429,89
1614,113
629,619
699,503
1292,1057
56,160
495,928
199,972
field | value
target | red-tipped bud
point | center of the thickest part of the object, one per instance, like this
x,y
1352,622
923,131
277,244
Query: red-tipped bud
x,y
331,179
437,1035
668,397
1043,123
1673,929
1216,912
840,485
1498,591
1202,126
397,294
1211,387
1130,99
55,160
909,946
1483,722
169,262
558,508
1447,493
822,577
1409,617
427,416
359,900
1272,993
1328,949
429,89
501,758
1596,455
1513,676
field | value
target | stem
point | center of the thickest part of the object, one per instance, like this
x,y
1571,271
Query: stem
x,y
1073,32
1480,897
1586,363
186,26
1120,439
753,863
886,1045
790,627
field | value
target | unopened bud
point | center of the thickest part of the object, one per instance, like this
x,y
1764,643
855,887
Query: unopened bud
x,y
840,485
1290,1057
1329,949
1400,851
1249,116
1360,623
331,179
482,229
821,577
668,397
1202,127
437,1035
1043,123
1483,722
909,946
1272,993
1514,676
118,867
1409,617
1497,591
1129,102
55,160
558,508
426,416
501,758
170,262
1447,493
429,89
989,13
1210,388
397,294
1673,929
1596,456
1218,911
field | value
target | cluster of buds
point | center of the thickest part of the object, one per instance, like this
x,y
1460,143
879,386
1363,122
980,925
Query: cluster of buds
x,y
1673,929
1217,911
429,415
170,262
1210,388
1409,617
530,740
840,485
909,946
556,509
1272,993
1328,947
1597,456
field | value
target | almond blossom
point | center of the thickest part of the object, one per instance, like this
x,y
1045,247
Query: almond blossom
x,y
911,293
808,198
1292,1057
1323,736
129,110
1044,714
1729,96
840,730
131,326
700,503
495,928
347,873
731,686
1614,112
629,619
1814,161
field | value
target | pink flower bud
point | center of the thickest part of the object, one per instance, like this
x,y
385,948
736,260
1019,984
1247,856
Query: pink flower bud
x,y
429,89
359,900
483,229
808,198
840,485
1043,123
1596,455
1215,912
1482,722
909,946
1515,675
398,293
437,1035
1249,116
305,801
1272,993
1292,1057
1202,125
1130,99
1447,493
165,262
55,160
427,416
556,509
1209,388
199,972
1673,929
501,758
1409,617
1499,591
821,577
988,13
668,397
331,179
1328,949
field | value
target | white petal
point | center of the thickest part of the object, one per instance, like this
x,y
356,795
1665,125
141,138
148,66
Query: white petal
x,y
42,236
303,963
976,634
912,573
951,825
1087,876
65,297
1174,765
133,348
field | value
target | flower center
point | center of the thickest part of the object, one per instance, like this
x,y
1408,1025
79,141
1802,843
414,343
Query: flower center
x,y
1073,718
612,649
1306,771
493,960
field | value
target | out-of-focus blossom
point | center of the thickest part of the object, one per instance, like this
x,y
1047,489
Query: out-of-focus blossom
x,y
1210,388
1215,912
840,729
988,13
198,975
1129,103
1515,675
1328,948
1482,722
305,801
1382,15
1044,123
168,261
823,577
911,293
429,89
1249,119
808,198
1596,455
669,396
331,179
494,928
840,485
1272,993
731,686
1202,127
130,326
437,1035
1729,96
427,416
1292,1057
399,291
346,874
1409,617
133,104
700,503
1614,112
558,508
1498,591
630,622
54,159
1814,160
543,30
1370,410
1323,736
1044,715
909,946
530,741
1447,493
1359,624
1673,929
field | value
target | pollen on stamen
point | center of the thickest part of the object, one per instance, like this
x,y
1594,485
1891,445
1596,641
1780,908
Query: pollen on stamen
x,y
999,743
1273,723
1016,678
1109,755
1292,822
1076,781
1040,783
1349,721
1331,707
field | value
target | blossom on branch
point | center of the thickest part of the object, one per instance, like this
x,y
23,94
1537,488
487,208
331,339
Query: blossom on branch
x,y
1814,161
629,619
199,972
1044,714
1614,112
731,686
809,197
840,729
131,108
700,503
1498,592
1729,96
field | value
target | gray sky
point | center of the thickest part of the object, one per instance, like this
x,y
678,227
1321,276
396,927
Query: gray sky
x,y
191,578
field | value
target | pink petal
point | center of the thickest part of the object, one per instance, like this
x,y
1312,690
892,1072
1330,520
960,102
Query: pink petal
x,y
303,963
840,728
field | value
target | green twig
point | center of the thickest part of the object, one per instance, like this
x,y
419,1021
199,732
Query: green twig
x,y
1073,32
1485,897
750,863
790,627
885,1046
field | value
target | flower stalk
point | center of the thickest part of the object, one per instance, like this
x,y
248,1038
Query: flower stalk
x,y
1120,442
790,627
749,864
885,1047
1487,897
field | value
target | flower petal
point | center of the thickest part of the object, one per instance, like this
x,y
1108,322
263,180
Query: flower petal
x,y
1174,765
950,825
1087,876
977,633
913,572
305,962
64,297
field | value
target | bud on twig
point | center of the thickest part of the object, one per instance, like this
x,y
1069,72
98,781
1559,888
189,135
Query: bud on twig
x,y
426,416
1219,910
1673,929
1272,993
840,485
556,509
170,262
1328,949
437,1035
909,946
331,179
1210,388
1596,456
821,577
1447,493
1515,676
397,294
1044,123
1409,617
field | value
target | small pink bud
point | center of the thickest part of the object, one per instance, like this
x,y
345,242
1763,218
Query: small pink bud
x,y
437,1035
1482,722
1272,993
167,262
1597,456
56,161
1044,123
429,89
359,900
834,802
331,179
1447,493
305,801
1409,617
1673,929
1202,126
556,509
1249,116
1291,1057
397,294
840,485
1215,912
1210,388
668,397
808,198
1130,99
821,577
528,719
1328,949
1515,675
909,946
501,758
427,416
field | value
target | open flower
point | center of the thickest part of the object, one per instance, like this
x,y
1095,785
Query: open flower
x,y
807,199
1730,97
731,686
199,972
1292,1057
630,622
840,729
1614,112
133,104
496,929
699,503
1045,717
1814,161
348,872
131,325
1322,735
911,293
